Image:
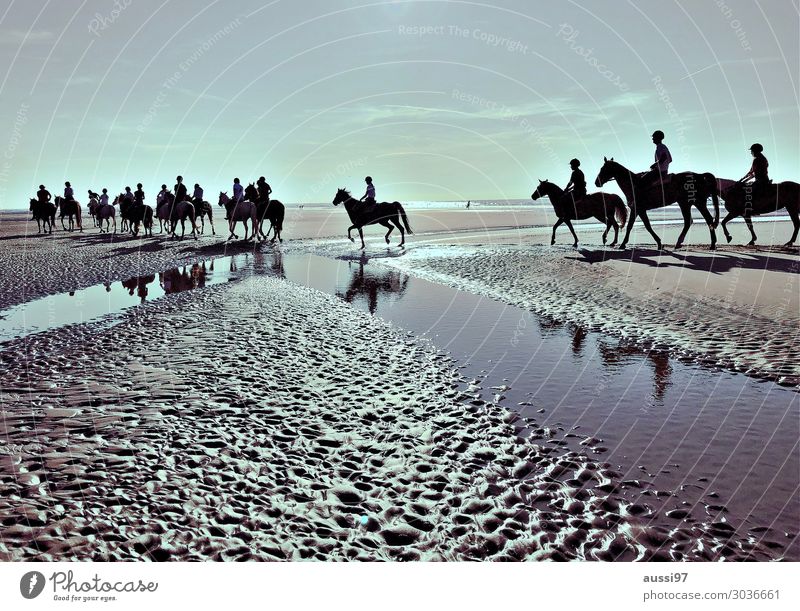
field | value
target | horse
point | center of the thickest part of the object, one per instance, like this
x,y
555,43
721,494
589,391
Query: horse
x,y
687,189
601,206
169,209
72,209
367,213
107,213
271,209
92,206
243,211
45,215
204,209
739,202
135,215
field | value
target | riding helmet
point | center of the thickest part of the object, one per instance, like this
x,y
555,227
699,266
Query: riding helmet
x,y
658,134
757,148
575,162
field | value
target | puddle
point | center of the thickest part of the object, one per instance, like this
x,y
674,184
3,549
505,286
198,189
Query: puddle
x,y
678,425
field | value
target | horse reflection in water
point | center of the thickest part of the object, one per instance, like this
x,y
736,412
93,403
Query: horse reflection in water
x,y
372,282
185,278
272,264
622,354
138,285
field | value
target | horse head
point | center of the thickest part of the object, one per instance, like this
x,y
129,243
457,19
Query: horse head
x,y
342,195
542,190
223,197
33,203
607,172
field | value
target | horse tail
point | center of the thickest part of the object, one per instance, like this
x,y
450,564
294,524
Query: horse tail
x,y
713,186
78,213
621,212
279,216
403,216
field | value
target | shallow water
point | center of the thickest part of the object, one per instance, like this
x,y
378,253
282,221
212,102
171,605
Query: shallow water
x,y
724,442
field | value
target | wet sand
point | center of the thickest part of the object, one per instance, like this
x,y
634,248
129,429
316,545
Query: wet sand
x,y
258,419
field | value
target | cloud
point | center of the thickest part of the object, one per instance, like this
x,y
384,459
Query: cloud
x,y
11,37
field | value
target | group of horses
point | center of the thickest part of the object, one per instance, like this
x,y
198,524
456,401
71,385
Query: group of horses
x,y
687,189
169,213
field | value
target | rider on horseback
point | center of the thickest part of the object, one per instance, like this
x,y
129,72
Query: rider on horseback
x,y
104,198
369,195
264,190
659,171
180,190
758,172
576,187
43,196
162,196
197,196
138,196
68,195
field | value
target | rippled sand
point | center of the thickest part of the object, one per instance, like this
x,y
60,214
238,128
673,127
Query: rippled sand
x,y
262,420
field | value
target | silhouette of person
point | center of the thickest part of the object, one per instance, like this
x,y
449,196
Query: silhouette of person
x,y
197,196
369,195
758,171
162,195
104,198
238,191
138,195
43,195
659,171
180,190
264,190
576,186
468,203
68,193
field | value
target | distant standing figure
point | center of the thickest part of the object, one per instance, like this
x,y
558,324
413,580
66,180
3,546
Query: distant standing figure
x,y
369,195
468,203
576,187
180,190
659,171
759,171
68,193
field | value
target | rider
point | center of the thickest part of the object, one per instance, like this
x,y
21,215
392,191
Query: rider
x,y
659,171
264,190
68,195
128,196
162,195
758,171
180,190
369,196
577,182
197,196
104,198
138,195
42,196
238,191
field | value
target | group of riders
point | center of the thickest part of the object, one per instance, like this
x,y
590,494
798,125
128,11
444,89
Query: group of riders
x,y
179,194
757,179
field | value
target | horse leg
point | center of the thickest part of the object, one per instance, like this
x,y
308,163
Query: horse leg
x,y
553,239
686,211
703,208
572,231
615,225
399,225
349,229
794,214
728,217
361,235
607,221
748,221
391,228
646,223
631,219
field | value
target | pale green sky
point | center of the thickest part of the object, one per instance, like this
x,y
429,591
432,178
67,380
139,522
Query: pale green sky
x,y
435,99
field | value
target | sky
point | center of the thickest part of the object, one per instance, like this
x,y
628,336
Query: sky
x,y
436,100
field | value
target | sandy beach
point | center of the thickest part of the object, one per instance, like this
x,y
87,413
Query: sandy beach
x,y
266,417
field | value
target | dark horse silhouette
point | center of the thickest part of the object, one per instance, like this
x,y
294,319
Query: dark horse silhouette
x,y
72,209
136,215
687,189
782,195
45,215
601,206
364,213
272,210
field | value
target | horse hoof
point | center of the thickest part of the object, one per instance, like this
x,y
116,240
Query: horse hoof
x,y
353,240
622,246
729,238
751,243
712,247
575,245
